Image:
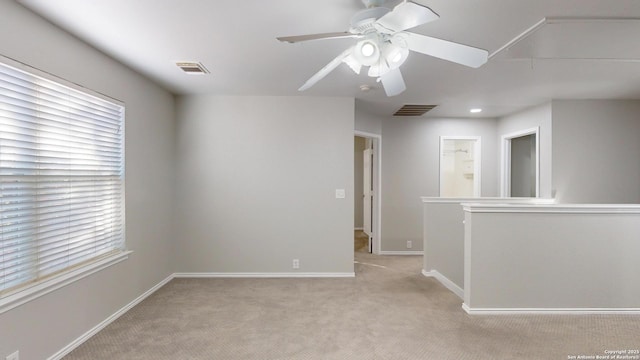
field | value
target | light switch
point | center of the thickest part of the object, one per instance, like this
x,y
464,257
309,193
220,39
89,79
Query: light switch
x,y
340,194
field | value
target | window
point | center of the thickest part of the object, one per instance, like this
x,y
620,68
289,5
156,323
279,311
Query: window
x,y
61,180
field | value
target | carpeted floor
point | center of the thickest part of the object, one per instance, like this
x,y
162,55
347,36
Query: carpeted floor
x,y
388,311
360,241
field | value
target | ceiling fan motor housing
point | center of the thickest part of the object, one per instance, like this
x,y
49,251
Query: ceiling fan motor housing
x,y
363,21
373,3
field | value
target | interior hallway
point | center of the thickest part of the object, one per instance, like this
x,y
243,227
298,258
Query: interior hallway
x,y
360,241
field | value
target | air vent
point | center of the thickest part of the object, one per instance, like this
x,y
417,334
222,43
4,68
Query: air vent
x,y
413,110
194,68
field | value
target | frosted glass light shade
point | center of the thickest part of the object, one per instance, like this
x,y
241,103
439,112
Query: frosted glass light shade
x,y
367,52
396,51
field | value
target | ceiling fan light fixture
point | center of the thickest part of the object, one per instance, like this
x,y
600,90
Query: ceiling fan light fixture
x,y
353,63
367,49
366,52
378,69
395,55
397,50
384,44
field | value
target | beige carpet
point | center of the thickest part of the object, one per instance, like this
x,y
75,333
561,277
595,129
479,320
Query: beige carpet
x,y
389,311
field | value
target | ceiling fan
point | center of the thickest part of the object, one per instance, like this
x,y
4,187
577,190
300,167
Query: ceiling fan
x,y
383,44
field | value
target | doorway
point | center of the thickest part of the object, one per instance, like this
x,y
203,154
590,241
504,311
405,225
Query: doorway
x,y
520,164
460,166
367,192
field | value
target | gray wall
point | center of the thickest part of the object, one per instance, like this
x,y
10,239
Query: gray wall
x,y
444,239
554,257
539,116
42,327
256,184
444,235
596,151
360,144
365,121
410,169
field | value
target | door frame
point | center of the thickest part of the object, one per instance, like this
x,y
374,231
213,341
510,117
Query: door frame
x,y
376,221
505,169
368,157
477,162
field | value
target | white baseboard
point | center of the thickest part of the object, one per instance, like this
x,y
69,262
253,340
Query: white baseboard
x,y
550,311
77,342
265,275
408,252
446,282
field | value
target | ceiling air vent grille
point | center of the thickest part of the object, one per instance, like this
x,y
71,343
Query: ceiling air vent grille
x,y
413,110
194,68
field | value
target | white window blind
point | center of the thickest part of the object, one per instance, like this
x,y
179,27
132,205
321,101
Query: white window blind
x,y
61,178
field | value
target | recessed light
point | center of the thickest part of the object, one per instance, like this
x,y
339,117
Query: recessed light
x,y
475,111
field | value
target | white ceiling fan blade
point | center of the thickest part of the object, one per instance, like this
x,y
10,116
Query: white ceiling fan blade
x,y
325,70
393,82
325,36
405,15
447,50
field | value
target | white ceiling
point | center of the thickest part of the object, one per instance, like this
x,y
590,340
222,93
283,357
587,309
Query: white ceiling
x,y
236,41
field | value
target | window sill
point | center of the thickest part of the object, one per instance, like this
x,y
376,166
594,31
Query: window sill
x,y
33,292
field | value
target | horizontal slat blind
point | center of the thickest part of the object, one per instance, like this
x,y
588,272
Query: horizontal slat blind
x,y
61,178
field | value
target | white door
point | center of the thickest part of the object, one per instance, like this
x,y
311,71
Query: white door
x,y
367,199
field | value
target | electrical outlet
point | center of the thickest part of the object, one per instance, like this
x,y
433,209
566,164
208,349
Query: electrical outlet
x,y
409,244
296,264
14,356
